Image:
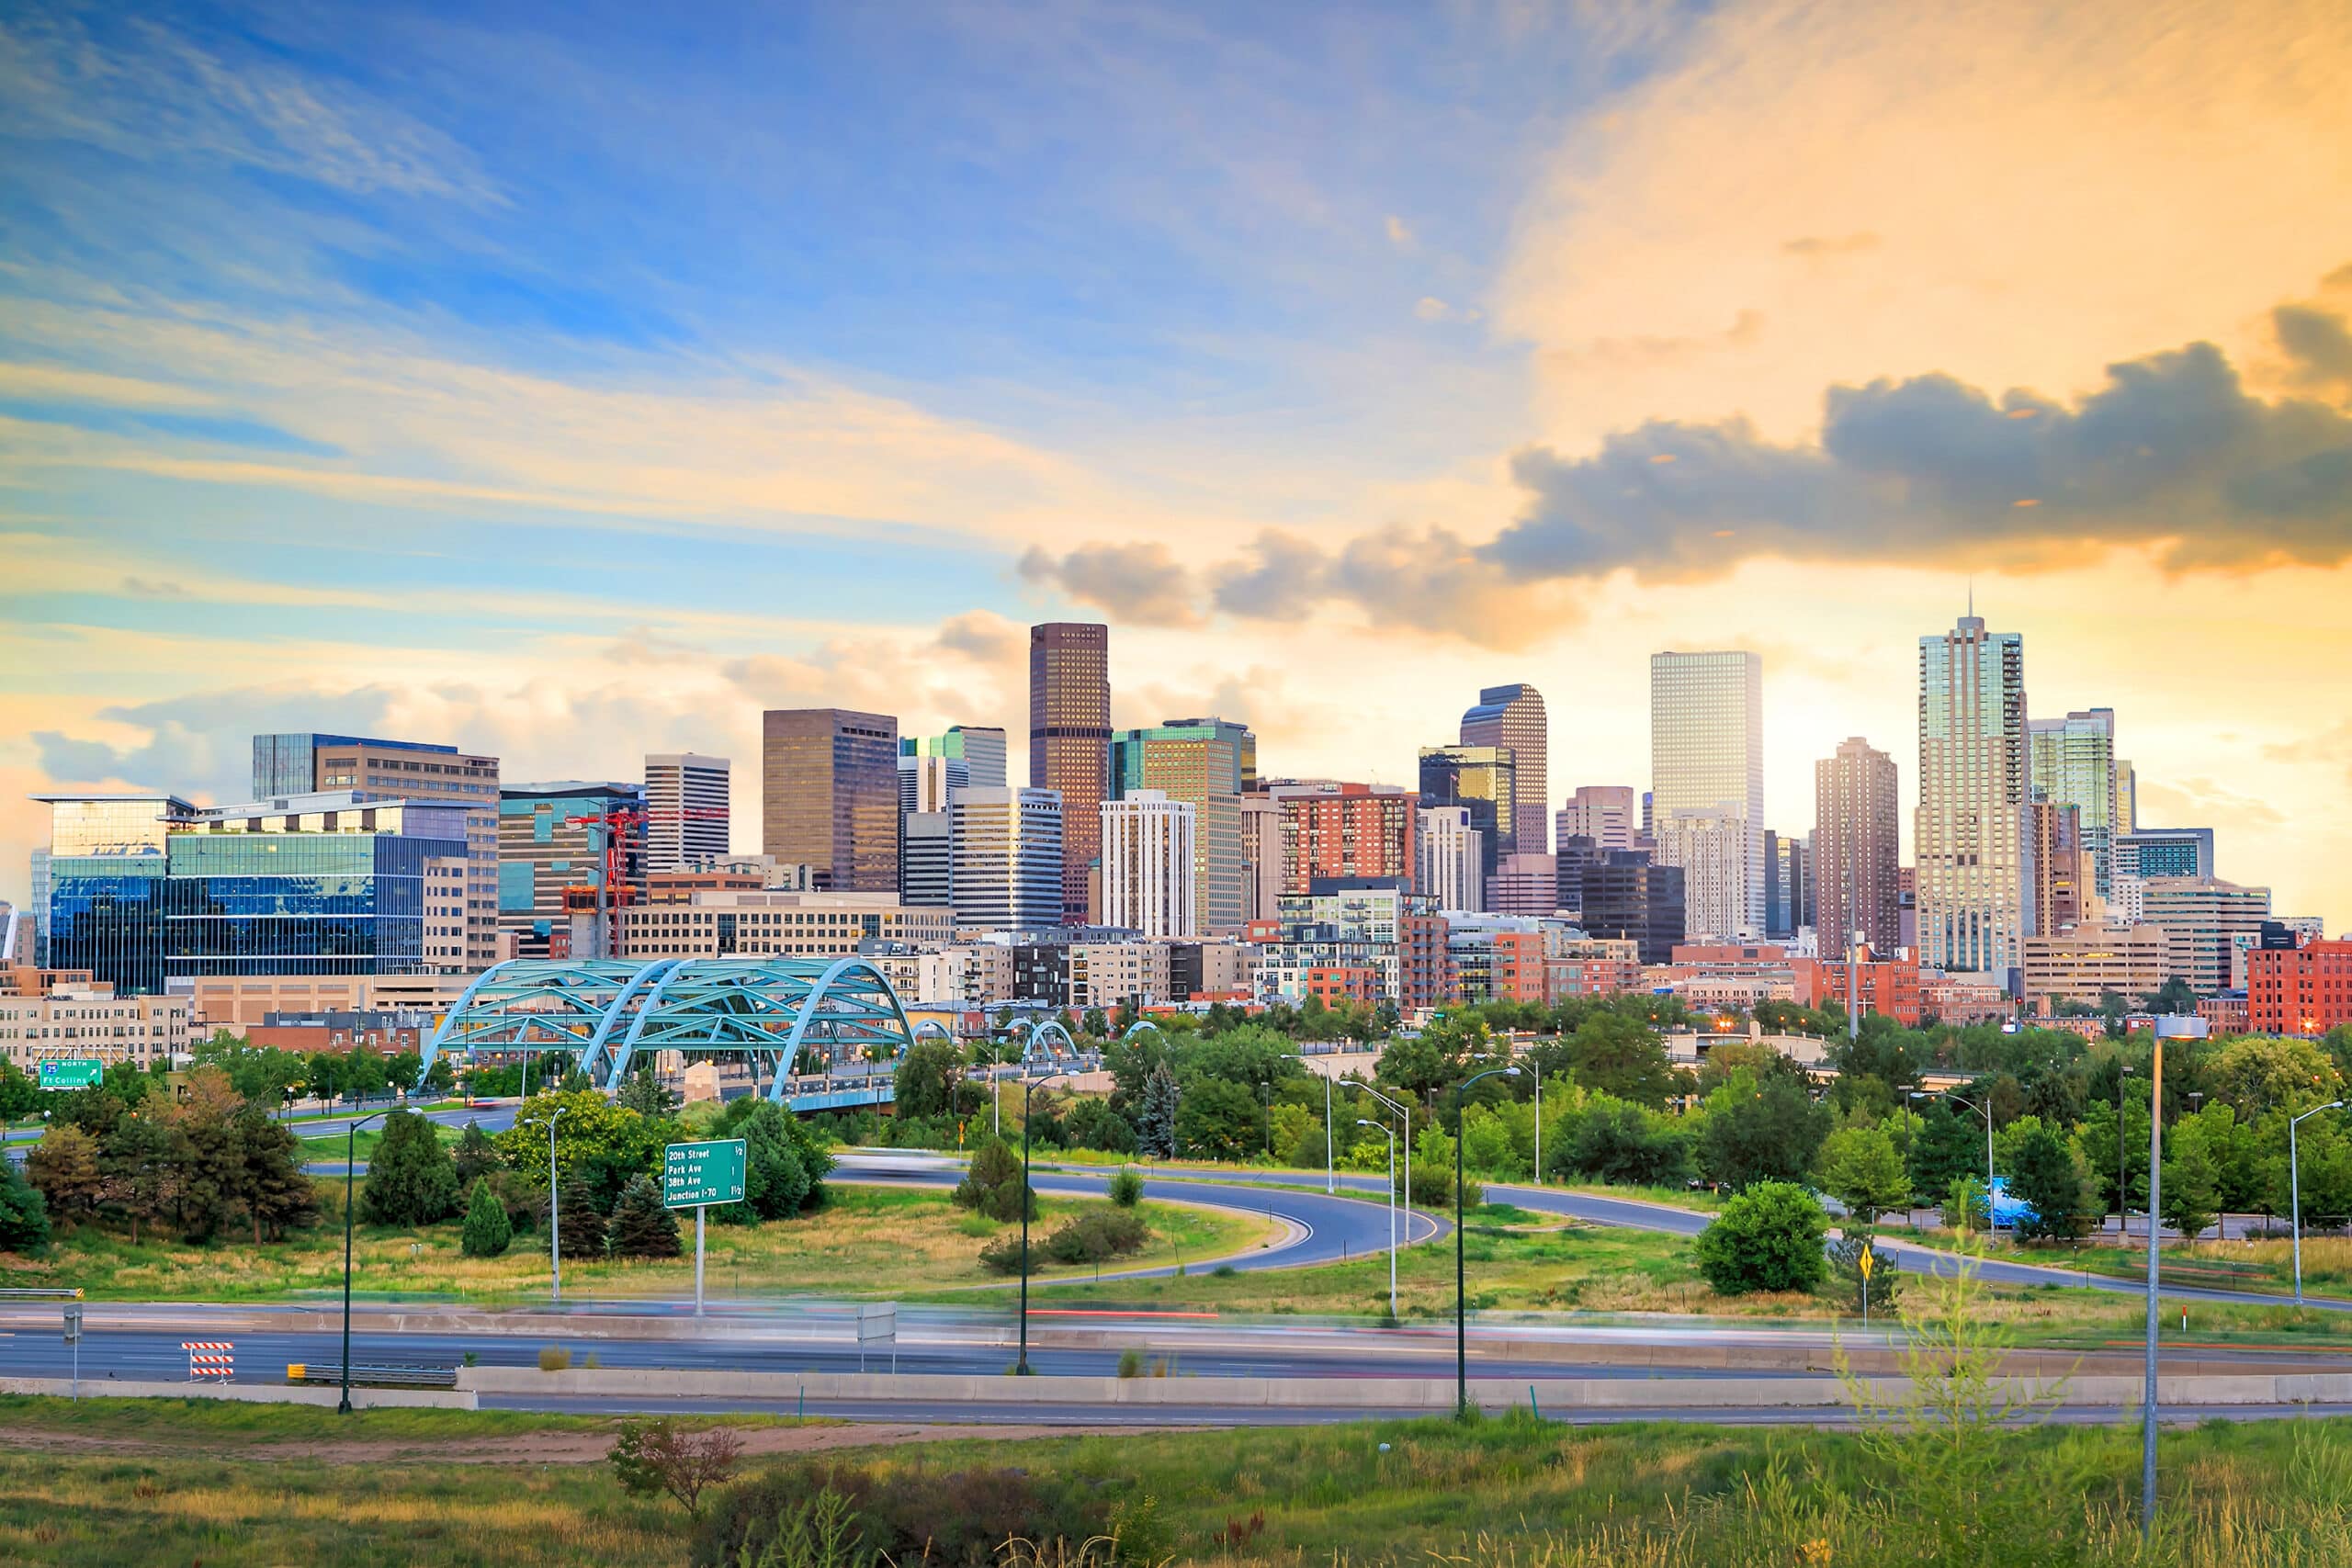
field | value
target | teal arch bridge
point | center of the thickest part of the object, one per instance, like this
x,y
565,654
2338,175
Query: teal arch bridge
x,y
798,1023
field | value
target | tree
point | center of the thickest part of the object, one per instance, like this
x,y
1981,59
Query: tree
x,y
364,1072
475,1155
927,1079
2257,1074
2047,1176
325,1076
1621,1143
24,1215
64,1166
580,1229
784,1165
1095,1025
139,1163
1093,1124
643,1093
2191,1194
1615,1054
1767,1238
658,1455
410,1179
993,1184
488,1231
1947,1146
1220,1118
19,1093
211,1157
590,1127
1156,1115
1863,1169
277,1196
641,1226
1767,1132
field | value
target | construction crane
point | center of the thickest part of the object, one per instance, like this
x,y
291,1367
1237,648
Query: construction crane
x,y
616,824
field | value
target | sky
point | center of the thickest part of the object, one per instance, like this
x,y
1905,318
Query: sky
x,y
572,382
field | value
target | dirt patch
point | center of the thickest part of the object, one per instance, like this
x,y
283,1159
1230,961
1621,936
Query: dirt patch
x,y
544,1447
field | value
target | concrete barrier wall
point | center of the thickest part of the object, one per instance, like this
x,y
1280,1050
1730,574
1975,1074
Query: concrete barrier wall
x,y
248,1393
1363,1393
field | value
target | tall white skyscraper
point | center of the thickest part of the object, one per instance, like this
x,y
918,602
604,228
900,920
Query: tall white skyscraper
x,y
1449,860
1971,839
2072,762
686,809
926,780
1707,786
1148,865
1610,815
1006,853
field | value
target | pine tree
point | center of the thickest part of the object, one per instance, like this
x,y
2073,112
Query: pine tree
x,y
1155,1117
411,1180
641,1226
488,1231
580,1227
643,1093
475,1155
24,1217
2047,1177
277,1195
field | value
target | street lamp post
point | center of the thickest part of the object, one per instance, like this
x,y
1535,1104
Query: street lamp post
x,y
1461,1309
1330,1156
555,1217
350,1159
2167,1026
1028,1091
1404,1137
1986,1109
2295,1190
1387,1132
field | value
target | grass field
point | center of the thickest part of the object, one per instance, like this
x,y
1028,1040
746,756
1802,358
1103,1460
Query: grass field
x,y
93,1488
864,1241
2233,1265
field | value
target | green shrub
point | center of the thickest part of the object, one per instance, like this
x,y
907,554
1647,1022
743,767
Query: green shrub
x,y
410,1179
641,1226
957,1518
1003,1254
1097,1235
1131,1363
24,1213
1127,1188
554,1358
994,1184
1767,1238
488,1231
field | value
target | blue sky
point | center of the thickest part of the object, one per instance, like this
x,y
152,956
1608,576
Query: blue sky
x,y
571,381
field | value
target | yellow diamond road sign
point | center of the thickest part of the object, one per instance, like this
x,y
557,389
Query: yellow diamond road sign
x,y
1869,1261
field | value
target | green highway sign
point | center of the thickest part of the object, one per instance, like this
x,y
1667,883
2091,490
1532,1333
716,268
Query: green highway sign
x,y
72,1074
697,1174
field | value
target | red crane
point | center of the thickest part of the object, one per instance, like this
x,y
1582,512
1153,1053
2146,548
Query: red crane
x,y
616,824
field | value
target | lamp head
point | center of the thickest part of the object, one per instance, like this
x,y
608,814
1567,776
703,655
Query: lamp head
x,y
1362,1123
1511,1072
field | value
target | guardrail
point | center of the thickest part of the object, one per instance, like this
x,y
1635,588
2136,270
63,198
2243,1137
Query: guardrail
x,y
377,1375
38,1293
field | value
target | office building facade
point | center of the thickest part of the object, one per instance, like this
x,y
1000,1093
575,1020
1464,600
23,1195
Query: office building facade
x,y
1150,845
1261,856
1610,815
1208,763
1857,854
1332,829
2203,918
686,809
1070,741
1524,884
979,748
108,859
1449,859
1788,886
2073,760
828,782
1007,858
2301,990
305,763
1971,836
560,863
2142,854
927,859
1511,717
1624,894
1707,784
1482,779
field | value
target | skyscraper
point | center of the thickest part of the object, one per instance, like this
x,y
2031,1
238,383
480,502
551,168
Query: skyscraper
x,y
1007,851
551,868
1332,829
1450,863
1148,863
306,763
1624,895
1857,856
1707,784
1971,836
1207,762
686,809
829,795
2072,762
976,751
1788,886
1070,741
1261,856
1513,718
1610,815
1483,779
926,782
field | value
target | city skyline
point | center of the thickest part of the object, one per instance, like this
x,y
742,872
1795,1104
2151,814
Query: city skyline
x,y
1484,356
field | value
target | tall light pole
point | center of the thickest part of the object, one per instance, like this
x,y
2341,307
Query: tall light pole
x,y
1331,1157
2295,1190
350,1159
1387,1132
1029,1088
1987,1110
1461,1308
555,1217
1404,1137
2168,1026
